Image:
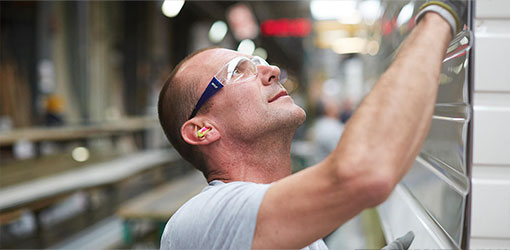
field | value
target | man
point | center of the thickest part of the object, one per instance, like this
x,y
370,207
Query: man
x,y
238,129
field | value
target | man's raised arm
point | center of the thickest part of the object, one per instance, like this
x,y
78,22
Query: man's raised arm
x,y
377,148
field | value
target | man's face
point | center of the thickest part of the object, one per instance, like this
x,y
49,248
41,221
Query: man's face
x,y
245,109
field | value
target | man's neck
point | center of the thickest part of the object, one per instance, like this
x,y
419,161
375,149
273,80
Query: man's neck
x,y
259,161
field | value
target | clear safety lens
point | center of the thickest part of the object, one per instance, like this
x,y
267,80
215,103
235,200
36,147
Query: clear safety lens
x,y
239,69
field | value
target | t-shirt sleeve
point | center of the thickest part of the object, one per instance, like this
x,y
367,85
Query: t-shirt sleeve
x,y
223,216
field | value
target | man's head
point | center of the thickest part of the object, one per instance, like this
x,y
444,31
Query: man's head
x,y
239,112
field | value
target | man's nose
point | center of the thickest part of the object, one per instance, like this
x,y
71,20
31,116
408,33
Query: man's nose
x,y
269,74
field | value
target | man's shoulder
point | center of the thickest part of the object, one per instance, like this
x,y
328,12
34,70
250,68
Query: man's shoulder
x,y
224,211
215,197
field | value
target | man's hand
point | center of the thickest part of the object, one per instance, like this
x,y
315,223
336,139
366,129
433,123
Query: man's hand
x,y
401,243
453,11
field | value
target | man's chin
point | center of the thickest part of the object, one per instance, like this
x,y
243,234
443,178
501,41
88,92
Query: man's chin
x,y
302,116
298,117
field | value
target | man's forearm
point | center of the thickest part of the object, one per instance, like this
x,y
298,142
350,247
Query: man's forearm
x,y
388,129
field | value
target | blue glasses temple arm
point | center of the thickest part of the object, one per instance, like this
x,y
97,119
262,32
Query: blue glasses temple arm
x,y
211,89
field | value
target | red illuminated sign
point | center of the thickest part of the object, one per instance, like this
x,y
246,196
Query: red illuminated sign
x,y
299,27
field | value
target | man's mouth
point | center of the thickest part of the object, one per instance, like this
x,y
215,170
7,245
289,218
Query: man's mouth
x,y
280,94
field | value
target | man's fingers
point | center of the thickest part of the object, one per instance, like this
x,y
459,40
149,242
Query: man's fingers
x,y
407,239
401,243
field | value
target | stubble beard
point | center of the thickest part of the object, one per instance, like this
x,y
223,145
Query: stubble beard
x,y
279,126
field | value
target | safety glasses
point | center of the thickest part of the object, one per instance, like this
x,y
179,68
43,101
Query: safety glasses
x,y
238,70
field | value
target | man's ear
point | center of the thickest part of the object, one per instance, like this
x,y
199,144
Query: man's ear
x,y
190,129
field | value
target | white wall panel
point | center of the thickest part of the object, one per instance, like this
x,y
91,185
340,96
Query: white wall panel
x,y
491,129
492,9
490,243
490,221
491,202
492,53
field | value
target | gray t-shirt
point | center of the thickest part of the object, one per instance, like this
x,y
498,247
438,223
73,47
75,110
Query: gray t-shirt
x,y
222,216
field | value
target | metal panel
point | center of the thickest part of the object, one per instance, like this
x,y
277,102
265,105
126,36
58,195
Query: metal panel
x,y
401,213
439,181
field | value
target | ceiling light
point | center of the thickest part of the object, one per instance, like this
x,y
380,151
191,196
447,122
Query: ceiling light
x,y
405,14
246,46
80,154
218,31
171,8
331,10
261,52
370,10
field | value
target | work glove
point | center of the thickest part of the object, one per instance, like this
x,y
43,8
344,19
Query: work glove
x,y
401,243
453,11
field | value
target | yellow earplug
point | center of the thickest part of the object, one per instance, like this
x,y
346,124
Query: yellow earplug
x,y
201,133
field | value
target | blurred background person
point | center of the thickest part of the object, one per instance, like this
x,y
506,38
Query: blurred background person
x,y
327,128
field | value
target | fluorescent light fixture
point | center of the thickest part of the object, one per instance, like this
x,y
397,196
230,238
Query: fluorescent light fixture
x,y
246,46
171,8
355,45
324,10
349,45
370,10
218,31
331,10
353,17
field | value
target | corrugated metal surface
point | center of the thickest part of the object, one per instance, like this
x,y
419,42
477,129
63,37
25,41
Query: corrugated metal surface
x,y
438,184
